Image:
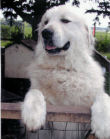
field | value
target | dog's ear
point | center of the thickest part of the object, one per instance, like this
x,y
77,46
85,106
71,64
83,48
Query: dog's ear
x,y
90,39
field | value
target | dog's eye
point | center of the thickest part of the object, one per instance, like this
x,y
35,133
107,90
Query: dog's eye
x,y
65,21
46,22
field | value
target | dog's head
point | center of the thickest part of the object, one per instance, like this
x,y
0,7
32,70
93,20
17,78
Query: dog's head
x,y
62,29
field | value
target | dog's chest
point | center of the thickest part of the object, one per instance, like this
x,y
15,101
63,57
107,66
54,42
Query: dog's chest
x,y
63,87
52,78
53,84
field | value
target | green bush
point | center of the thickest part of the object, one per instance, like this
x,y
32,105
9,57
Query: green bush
x,y
5,43
5,32
103,45
15,33
27,31
28,37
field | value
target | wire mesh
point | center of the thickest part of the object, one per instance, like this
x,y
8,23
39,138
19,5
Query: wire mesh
x,y
61,130
51,130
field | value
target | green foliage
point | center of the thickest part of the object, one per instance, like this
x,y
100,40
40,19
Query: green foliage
x,y
103,45
27,31
16,34
11,32
5,43
5,31
107,54
102,35
28,37
102,42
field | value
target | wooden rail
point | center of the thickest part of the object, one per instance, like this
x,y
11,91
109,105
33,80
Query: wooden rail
x,y
54,113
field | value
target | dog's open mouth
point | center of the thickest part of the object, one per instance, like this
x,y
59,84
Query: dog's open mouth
x,y
55,50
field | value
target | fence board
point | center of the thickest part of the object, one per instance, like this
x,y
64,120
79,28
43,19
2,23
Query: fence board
x,y
54,113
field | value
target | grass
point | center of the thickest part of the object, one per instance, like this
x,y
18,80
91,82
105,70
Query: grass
x,y
106,54
102,35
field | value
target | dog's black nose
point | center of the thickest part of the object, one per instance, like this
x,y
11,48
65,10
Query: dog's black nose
x,y
47,34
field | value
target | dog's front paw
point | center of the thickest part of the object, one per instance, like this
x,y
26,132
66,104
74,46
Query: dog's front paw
x,y
34,110
100,120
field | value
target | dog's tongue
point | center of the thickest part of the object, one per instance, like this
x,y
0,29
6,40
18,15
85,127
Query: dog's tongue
x,y
50,47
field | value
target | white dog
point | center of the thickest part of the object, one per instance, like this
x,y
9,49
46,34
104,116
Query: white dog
x,y
65,73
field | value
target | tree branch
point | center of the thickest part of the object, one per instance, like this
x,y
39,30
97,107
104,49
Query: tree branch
x,y
26,17
18,7
99,12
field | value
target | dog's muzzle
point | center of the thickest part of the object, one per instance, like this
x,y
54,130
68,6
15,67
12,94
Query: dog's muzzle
x,y
49,45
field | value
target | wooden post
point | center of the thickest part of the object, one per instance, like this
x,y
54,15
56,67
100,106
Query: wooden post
x,y
109,77
2,65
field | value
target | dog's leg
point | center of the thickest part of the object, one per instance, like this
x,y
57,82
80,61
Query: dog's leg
x,y
34,110
100,120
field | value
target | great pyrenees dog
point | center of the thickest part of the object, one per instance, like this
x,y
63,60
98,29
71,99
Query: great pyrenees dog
x,y
64,71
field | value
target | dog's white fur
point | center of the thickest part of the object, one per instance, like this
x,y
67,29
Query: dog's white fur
x,y
69,78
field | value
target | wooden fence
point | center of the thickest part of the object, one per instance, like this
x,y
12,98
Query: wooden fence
x,y
54,114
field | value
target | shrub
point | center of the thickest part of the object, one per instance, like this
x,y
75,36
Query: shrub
x,y
29,36
5,32
16,34
103,45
